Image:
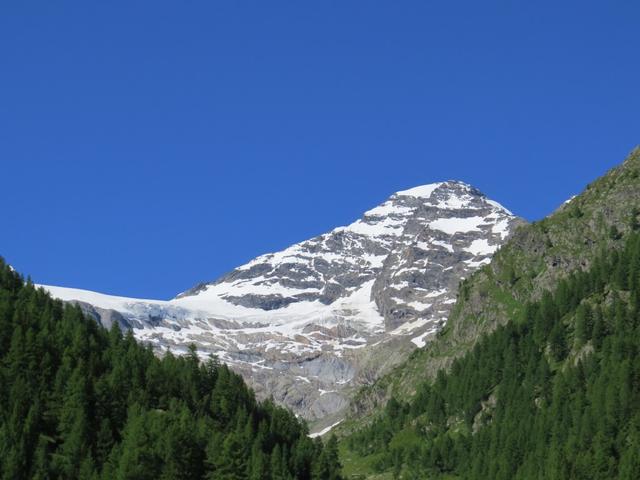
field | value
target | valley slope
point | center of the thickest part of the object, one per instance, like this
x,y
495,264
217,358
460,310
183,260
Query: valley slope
x,y
311,323
535,373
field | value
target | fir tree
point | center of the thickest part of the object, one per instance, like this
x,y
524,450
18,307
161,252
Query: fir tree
x,y
80,402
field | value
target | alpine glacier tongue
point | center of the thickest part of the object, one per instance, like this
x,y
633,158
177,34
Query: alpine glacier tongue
x,y
309,324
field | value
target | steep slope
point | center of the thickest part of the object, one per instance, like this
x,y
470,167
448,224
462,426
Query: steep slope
x,y
80,402
309,323
535,259
553,394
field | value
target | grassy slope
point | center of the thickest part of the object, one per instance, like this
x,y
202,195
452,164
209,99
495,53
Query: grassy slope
x,y
533,260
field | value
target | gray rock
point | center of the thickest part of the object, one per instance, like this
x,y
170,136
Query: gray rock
x,y
312,323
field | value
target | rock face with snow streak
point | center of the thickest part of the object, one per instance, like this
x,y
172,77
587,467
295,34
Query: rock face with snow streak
x,y
309,324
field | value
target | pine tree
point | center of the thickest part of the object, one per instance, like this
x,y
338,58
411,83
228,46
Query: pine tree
x,y
258,466
74,424
327,466
558,342
232,463
82,402
584,324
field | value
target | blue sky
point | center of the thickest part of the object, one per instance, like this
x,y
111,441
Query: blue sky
x,y
146,146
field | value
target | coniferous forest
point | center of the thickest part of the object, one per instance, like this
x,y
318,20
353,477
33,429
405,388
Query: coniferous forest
x,y
554,394
78,401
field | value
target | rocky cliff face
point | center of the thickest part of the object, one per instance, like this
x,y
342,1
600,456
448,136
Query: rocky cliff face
x,y
309,324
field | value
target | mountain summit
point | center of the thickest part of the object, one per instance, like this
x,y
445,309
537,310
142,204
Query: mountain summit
x,y
309,323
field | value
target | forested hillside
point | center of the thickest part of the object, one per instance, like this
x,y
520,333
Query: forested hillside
x,y
554,394
78,401
532,261
537,374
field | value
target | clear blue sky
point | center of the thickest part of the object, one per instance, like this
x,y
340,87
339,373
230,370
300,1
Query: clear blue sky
x,y
146,146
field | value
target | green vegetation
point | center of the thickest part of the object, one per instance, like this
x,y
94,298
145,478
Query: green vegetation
x,y
553,394
535,259
80,402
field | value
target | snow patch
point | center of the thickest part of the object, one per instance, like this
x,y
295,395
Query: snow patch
x,y
445,245
481,247
386,209
420,340
325,430
452,226
423,191
498,206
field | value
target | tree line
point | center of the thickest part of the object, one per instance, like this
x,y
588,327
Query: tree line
x,y
552,395
80,402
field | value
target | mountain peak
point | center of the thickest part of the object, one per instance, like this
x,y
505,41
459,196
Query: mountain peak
x,y
421,191
450,194
425,191
301,323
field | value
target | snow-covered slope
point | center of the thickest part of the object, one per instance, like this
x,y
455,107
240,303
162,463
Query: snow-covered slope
x,y
308,324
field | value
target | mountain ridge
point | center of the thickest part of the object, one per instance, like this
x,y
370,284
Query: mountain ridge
x,y
535,373
299,323
535,257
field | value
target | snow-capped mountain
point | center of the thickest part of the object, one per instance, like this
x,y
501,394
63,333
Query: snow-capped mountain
x,y
310,323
